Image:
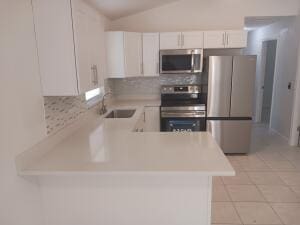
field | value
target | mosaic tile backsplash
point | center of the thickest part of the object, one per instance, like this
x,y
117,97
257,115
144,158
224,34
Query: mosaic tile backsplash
x,y
150,85
61,111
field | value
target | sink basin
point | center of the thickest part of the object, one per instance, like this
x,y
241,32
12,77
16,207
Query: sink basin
x,y
121,113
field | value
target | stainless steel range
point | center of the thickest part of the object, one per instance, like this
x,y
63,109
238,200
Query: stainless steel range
x,y
183,109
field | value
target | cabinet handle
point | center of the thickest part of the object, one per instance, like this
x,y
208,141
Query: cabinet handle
x,y
157,68
182,40
94,74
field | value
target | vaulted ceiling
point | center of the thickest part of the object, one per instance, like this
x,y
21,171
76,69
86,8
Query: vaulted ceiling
x,y
115,9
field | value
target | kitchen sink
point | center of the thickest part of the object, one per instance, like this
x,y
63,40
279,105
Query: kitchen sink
x,y
121,113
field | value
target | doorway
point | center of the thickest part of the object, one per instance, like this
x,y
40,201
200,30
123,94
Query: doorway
x,y
269,56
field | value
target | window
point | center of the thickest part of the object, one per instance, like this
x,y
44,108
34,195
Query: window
x,y
91,94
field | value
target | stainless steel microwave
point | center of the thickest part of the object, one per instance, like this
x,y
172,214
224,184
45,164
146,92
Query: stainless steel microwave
x,y
181,61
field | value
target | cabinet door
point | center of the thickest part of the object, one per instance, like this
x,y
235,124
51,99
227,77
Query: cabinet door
x,y
236,39
114,42
54,35
82,50
97,50
192,39
133,54
151,54
214,39
152,119
170,40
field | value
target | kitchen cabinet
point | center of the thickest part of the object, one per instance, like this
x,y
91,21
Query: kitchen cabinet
x,y
140,125
70,44
236,38
225,39
181,40
192,39
170,40
150,54
152,119
124,54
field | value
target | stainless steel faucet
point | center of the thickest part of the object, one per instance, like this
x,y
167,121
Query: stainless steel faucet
x,y
103,108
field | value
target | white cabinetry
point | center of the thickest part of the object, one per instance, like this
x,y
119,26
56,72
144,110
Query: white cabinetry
x,y
150,54
181,40
124,54
170,40
236,39
225,39
152,119
70,46
192,39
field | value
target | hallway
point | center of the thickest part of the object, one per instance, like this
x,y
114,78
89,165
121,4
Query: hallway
x,y
266,189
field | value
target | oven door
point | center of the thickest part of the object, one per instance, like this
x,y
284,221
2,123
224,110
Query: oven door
x,y
181,61
183,121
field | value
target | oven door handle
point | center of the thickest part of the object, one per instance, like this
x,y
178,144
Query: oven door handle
x,y
198,114
193,61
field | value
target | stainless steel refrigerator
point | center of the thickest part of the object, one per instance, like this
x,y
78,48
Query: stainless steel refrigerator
x,y
230,101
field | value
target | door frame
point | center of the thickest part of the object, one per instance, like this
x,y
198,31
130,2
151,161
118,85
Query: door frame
x,y
259,103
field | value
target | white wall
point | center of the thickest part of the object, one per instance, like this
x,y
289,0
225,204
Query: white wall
x,y
296,111
203,15
21,113
285,70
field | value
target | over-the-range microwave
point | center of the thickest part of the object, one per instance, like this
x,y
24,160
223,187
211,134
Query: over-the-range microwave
x,y
181,61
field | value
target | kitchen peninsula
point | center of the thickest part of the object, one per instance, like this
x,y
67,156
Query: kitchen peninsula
x,y
166,177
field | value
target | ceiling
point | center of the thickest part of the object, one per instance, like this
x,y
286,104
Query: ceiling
x,y
252,23
115,9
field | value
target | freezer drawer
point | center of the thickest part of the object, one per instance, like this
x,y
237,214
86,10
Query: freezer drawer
x,y
233,136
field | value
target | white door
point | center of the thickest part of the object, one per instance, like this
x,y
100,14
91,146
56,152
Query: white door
x,y
152,119
236,39
170,40
133,54
192,39
82,50
214,39
151,54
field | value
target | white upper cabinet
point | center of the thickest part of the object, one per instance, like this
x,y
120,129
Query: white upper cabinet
x,y
133,54
214,39
236,39
225,39
192,39
70,46
150,54
181,40
124,54
170,40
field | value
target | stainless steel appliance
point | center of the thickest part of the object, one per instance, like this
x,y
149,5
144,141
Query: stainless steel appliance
x,y
183,109
181,61
230,101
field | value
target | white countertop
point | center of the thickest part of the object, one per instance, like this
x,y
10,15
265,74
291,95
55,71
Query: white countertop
x,y
110,146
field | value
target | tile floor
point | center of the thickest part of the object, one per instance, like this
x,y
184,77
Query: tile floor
x,y
266,188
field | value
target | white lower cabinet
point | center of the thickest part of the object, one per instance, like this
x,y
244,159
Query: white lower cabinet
x,y
149,120
140,125
152,119
70,44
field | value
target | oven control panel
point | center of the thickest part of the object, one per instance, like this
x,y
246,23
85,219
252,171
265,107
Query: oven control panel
x,y
181,89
